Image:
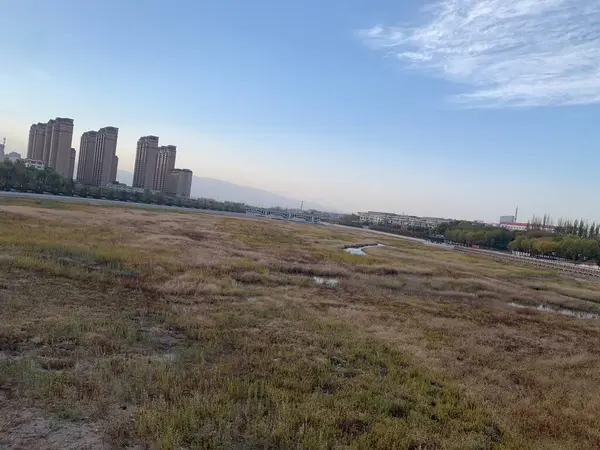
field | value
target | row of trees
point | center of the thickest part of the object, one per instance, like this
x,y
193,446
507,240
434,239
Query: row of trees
x,y
581,227
467,233
18,177
489,237
25,179
403,230
569,247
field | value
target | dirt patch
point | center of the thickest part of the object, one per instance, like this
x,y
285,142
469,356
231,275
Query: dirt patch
x,y
32,429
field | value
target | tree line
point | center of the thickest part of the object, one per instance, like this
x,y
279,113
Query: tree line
x,y
575,246
572,240
467,234
569,247
575,227
17,177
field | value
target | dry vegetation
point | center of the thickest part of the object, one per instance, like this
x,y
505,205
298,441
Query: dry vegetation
x,y
125,328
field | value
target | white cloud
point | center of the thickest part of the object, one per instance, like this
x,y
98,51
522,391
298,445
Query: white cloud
x,y
507,52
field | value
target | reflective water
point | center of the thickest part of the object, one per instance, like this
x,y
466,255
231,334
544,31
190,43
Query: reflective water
x,y
563,311
360,250
327,282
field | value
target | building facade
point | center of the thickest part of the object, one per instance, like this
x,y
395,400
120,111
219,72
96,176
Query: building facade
x,y
514,226
104,155
72,164
85,166
145,162
383,218
115,167
165,164
47,141
507,219
35,145
179,183
59,157
35,164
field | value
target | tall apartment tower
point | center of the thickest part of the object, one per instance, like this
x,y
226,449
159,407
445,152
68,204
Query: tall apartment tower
x,y
104,155
72,164
145,162
165,163
47,142
85,166
113,171
35,146
59,157
179,183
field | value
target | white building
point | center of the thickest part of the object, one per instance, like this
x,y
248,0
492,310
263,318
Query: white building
x,y
374,217
514,226
35,163
378,218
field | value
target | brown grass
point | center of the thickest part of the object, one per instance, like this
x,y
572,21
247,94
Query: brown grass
x,y
161,330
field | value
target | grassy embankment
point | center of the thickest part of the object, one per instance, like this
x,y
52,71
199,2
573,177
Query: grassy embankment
x,y
140,328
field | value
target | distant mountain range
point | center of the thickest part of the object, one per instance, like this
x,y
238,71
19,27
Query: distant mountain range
x,y
226,191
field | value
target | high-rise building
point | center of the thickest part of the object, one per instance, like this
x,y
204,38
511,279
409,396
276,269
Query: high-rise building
x,y
165,163
115,166
104,155
179,183
35,145
60,145
85,166
145,162
2,146
47,142
72,164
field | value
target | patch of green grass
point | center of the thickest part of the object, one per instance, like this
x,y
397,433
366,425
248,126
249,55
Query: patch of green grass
x,y
257,377
271,391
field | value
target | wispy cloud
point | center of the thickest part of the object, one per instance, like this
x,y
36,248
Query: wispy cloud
x,y
506,52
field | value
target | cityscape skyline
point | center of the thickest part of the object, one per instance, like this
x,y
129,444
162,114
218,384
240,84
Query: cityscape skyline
x,y
154,166
98,162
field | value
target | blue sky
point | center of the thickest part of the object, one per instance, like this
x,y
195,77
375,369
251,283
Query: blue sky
x,y
456,108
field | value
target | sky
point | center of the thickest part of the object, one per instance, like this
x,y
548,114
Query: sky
x,y
449,108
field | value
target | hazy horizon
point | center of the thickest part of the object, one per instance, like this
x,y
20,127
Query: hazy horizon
x,y
430,109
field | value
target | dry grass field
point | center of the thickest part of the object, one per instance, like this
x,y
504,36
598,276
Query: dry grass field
x,y
127,328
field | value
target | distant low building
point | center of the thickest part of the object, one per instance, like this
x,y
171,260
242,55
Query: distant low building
x,y
383,218
507,219
520,226
13,157
34,163
514,226
124,187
